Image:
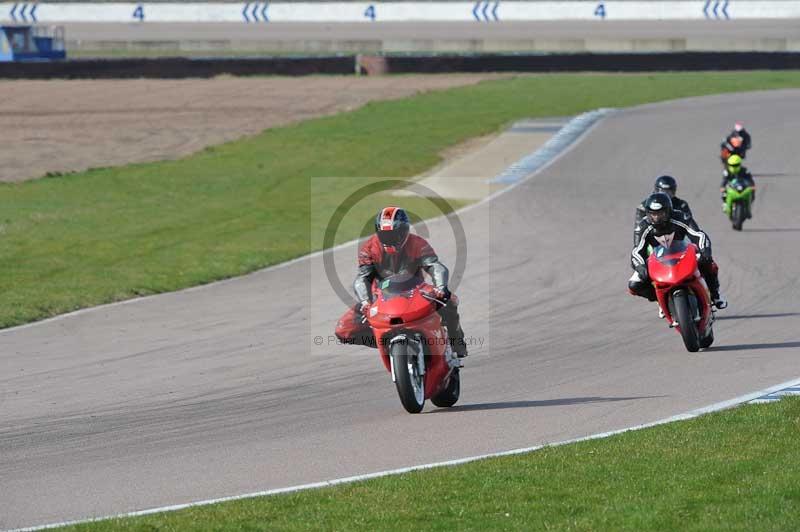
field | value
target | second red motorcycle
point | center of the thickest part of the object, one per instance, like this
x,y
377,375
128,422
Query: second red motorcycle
x,y
682,293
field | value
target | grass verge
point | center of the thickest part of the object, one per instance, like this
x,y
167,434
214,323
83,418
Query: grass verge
x,y
732,470
114,233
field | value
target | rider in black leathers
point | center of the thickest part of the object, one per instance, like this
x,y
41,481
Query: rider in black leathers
x,y
668,185
661,226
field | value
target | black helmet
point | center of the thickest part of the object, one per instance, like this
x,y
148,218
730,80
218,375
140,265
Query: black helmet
x,y
659,209
667,185
392,227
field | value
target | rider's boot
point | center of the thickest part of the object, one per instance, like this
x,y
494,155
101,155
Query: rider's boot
x,y
453,323
458,343
718,300
710,274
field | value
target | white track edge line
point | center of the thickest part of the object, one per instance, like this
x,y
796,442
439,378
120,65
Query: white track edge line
x,y
723,405
221,282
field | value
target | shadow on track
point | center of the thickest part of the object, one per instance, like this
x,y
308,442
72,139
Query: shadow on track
x,y
744,347
755,316
534,404
774,230
775,174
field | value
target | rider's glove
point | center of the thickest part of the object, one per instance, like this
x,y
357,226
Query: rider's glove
x,y
363,306
642,271
705,256
442,294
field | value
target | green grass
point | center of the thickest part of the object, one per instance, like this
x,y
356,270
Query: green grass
x,y
733,470
115,233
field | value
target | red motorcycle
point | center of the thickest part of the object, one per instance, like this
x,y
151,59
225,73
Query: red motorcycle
x,y
682,293
413,342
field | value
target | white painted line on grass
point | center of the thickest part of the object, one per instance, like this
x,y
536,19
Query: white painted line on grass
x,y
754,397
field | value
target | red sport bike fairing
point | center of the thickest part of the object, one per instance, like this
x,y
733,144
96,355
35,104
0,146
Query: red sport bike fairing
x,y
682,293
413,342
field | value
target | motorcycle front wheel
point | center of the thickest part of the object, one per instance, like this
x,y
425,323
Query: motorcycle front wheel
x,y
408,380
737,216
685,317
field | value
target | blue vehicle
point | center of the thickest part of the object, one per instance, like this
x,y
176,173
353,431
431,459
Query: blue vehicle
x,y
31,43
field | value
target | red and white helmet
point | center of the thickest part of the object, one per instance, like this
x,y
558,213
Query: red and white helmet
x,y
392,227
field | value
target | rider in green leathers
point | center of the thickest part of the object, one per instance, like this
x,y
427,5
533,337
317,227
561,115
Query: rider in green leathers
x,y
733,170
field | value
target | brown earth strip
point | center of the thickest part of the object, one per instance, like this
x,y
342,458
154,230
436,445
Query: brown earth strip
x,y
63,126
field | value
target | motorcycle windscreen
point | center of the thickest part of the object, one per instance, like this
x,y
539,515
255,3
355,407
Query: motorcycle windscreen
x,y
399,285
672,264
739,185
400,302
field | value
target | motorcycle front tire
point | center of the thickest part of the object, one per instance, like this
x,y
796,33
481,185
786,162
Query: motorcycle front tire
x,y
737,216
683,314
410,385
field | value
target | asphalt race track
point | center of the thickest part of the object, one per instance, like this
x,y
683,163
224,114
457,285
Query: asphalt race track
x,y
219,390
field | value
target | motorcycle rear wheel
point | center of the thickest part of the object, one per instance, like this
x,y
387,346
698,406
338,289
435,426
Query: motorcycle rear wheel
x,y
683,314
707,340
448,396
410,384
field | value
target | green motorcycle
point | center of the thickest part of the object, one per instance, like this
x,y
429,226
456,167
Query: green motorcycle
x,y
738,201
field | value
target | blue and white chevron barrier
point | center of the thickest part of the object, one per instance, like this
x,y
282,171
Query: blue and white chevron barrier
x,y
479,11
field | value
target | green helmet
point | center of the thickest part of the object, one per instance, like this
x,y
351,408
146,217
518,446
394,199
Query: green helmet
x,y
734,164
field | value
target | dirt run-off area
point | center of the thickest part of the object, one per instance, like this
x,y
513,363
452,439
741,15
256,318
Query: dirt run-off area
x,y
63,125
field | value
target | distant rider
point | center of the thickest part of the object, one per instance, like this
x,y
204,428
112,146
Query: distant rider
x,y
669,186
734,169
391,250
661,226
737,142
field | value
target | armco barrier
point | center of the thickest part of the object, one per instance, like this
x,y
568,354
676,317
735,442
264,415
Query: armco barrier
x,y
606,62
177,67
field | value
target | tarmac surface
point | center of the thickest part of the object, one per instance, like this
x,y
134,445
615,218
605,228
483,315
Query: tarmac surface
x,y
760,34
222,390
771,28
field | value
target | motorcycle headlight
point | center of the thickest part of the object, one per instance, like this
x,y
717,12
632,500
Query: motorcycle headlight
x,y
739,188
